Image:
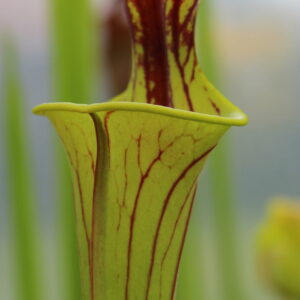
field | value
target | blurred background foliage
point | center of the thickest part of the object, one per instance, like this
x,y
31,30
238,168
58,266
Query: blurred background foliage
x,y
79,51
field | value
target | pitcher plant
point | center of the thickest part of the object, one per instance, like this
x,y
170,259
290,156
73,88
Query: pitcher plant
x,y
136,159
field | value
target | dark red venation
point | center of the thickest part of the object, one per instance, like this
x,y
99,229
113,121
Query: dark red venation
x,y
136,202
164,209
75,166
181,247
182,34
154,60
74,161
86,142
214,105
132,220
151,34
193,192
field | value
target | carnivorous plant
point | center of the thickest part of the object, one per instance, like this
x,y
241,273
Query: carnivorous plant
x,y
136,158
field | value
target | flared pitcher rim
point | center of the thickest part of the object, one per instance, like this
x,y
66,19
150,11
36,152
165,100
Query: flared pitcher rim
x,y
236,118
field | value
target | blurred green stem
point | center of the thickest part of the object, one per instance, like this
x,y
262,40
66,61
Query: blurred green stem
x,y
21,197
73,50
73,53
221,178
225,225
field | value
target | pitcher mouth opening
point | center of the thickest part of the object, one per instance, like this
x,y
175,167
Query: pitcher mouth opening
x,y
235,116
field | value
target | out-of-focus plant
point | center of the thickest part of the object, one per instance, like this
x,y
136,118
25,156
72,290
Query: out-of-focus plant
x,y
21,195
135,160
117,46
278,247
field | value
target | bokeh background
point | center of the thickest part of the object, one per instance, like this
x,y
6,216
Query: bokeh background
x,y
256,53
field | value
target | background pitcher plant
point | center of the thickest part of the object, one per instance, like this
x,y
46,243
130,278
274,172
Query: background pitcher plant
x,y
135,159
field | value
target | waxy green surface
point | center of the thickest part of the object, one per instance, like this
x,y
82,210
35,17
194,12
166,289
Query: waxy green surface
x,y
136,159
